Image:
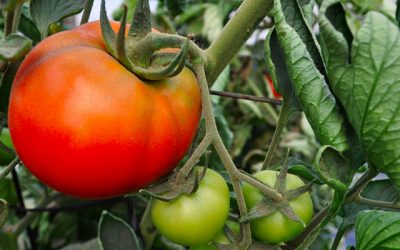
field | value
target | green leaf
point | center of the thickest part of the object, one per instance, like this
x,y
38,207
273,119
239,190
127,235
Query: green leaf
x,y
220,84
278,70
381,190
5,85
27,26
46,12
377,230
365,5
213,22
334,169
115,233
294,16
310,87
367,90
3,211
14,47
398,11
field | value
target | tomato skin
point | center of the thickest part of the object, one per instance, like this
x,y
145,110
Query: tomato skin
x,y
5,138
86,126
276,228
195,219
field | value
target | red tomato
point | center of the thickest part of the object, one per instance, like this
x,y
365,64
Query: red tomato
x,y
271,86
86,126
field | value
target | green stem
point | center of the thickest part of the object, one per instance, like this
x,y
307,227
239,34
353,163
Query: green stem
x,y
374,203
86,11
201,148
234,35
212,130
321,216
9,168
339,235
282,121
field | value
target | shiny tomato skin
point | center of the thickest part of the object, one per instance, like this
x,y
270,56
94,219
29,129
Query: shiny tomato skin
x,y
277,228
86,126
195,219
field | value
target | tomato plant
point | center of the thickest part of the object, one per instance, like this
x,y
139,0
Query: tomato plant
x,y
5,138
277,228
86,126
110,108
197,218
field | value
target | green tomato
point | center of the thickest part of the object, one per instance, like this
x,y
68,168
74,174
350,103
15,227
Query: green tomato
x,y
5,138
194,219
277,228
220,238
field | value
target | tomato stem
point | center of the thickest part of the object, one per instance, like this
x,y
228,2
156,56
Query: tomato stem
x,y
234,35
10,167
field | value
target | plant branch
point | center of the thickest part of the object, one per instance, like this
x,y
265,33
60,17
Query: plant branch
x,y
234,35
212,131
375,203
10,167
246,97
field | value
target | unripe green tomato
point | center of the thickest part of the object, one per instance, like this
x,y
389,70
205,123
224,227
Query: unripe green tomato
x,y
194,219
5,138
277,228
220,238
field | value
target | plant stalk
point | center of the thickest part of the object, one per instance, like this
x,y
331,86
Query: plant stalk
x,y
234,35
9,168
282,121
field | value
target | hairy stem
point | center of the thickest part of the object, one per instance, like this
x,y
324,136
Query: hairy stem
x,y
282,121
212,130
9,168
374,203
201,148
234,35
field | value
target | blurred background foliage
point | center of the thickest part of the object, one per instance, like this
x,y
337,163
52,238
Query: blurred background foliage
x,y
246,127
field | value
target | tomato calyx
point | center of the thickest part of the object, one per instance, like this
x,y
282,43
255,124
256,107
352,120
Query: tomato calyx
x,y
176,184
139,50
267,206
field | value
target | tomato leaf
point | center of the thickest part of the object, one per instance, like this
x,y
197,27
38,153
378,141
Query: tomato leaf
x,y
333,168
27,26
310,87
5,85
115,233
14,47
88,245
278,70
3,211
367,88
46,12
381,190
377,229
